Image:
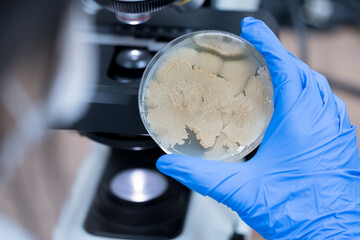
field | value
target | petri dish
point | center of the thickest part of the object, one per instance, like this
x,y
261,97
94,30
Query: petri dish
x,y
207,94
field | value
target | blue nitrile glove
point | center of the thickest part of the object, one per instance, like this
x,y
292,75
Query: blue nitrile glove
x,y
304,181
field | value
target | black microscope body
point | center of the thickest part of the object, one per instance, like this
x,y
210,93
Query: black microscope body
x,y
113,119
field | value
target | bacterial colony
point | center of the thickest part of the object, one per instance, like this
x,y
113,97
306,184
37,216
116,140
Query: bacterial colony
x,y
208,98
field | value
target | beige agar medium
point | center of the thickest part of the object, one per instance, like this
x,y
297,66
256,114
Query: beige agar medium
x,y
207,94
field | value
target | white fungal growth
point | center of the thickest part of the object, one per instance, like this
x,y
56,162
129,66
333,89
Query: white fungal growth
x,y
209,63
225,103
238,72
227,46
222,147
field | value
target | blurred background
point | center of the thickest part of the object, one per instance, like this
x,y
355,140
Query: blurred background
x,y
39,166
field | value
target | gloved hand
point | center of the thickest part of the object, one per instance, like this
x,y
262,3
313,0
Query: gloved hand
x,y
304,181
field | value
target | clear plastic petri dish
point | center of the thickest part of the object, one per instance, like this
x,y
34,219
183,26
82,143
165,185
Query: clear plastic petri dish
x,y
207,94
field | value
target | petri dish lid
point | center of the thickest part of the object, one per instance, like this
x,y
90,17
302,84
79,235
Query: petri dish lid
x,y
207,94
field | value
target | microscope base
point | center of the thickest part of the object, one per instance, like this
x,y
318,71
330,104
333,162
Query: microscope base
x,y
205,218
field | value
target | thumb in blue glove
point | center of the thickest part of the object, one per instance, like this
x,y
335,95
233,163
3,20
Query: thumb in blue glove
x,y
304,181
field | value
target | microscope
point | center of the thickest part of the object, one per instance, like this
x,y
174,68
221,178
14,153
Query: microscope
x,y
118,193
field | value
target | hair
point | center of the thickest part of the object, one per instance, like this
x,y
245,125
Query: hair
x,y
27,26
28,33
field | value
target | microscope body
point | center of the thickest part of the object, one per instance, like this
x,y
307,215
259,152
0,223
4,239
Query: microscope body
x,y
118,193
